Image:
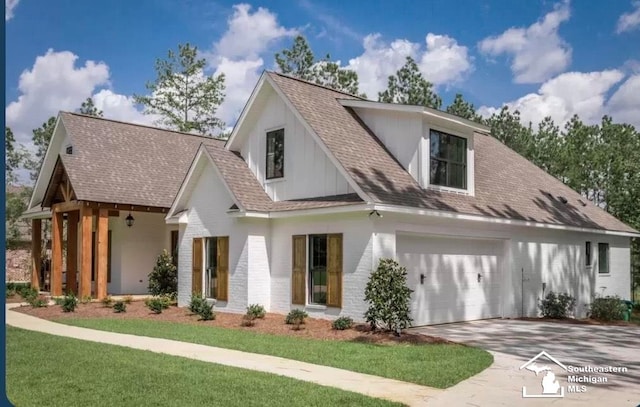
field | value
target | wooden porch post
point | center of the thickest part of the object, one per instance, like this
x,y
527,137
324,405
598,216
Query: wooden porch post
x,y
72,251
102,247
56,254
86,227
36,252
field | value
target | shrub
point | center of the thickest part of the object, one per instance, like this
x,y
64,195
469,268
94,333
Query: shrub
x,y
58,300
10,292
342,323
607,308
157,304
127,299
69,303
22,289
206,312
107,301
28,293
86,299
557,306
248,319
296,318
119,307
388,296
163,280
196,303
257,311
38,302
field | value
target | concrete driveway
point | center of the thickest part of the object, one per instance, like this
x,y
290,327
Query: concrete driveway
x,y
514,342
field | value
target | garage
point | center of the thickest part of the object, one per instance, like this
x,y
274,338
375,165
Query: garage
x,y
454,279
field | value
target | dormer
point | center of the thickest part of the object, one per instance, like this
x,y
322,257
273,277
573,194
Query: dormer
x,y
435,147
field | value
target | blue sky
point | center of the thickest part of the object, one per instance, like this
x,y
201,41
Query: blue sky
x,y
547,57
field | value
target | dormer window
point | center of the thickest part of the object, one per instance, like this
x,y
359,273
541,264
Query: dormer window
x,y
275,154
448,161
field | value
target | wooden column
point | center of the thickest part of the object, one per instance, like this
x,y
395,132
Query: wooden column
x,y
86,251
102,248
36,252
72,251
56,254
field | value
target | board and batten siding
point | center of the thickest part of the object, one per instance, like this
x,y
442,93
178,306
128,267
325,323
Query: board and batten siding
x,y
308,172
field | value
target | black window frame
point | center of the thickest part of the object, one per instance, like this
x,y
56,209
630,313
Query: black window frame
x,y
608,257
317,272
447,161
272,153
587,249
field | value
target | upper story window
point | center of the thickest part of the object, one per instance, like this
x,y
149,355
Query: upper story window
x,y
275,154
448,162
603,258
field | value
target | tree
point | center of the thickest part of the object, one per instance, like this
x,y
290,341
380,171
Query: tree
x,y
89,108
183,95
409,87
506,127
388,296
464,109
13,157
41,138
300,62
163,280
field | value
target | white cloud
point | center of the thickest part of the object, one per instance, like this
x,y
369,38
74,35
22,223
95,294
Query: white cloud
x,y
240,76
584,94
442,61
538,53
629,21
9,7
121,107
54,83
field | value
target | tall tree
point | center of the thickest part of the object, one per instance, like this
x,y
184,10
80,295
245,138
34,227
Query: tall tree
x,y
13,157
184,96
464,109
41,138
299,61
506,127
409,87
89,108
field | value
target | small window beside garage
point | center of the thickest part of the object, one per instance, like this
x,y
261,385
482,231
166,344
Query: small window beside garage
x,y
587,254
603,258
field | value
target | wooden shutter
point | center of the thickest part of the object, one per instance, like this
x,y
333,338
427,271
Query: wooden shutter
x,y
222,272
334,270
299,272
196,266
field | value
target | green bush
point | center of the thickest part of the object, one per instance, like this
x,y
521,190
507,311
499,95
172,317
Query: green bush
x,y
119,307
22,289
388,296
28,293
163,280
342,323
157,304
206,312
107,301
609,308
58,300
38,302
557,306
296,318
69,302
257,311
86,299
248,319
196,303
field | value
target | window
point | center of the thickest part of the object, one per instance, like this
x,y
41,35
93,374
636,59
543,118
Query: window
x,y
448,164
275,154
603,258
318,269
587,253
211,267
174,247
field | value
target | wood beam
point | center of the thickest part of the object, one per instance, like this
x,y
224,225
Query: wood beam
x,y
86,251
56,254
102,243
66,206
125,207
36,252
72,251
64,192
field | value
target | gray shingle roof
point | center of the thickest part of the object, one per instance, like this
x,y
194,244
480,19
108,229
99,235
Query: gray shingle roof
x,y
506,185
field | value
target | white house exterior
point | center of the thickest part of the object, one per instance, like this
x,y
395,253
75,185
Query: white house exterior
x,y
313,187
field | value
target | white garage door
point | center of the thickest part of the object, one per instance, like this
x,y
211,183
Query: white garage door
x,y
453,279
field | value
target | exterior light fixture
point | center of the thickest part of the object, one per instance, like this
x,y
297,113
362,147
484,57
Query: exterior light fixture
x,y
129,220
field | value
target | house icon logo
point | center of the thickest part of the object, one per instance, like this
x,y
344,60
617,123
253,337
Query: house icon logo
x,y
550,386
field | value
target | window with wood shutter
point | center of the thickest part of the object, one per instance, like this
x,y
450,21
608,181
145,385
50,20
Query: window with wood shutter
x,y
222,272
196,266
334,270
298,275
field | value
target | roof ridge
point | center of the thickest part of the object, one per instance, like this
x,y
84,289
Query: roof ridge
x,y
141,125
315,84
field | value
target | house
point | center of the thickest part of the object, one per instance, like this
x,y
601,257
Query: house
x,y
311,189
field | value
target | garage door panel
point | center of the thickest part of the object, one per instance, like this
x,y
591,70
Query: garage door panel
x,y
451,290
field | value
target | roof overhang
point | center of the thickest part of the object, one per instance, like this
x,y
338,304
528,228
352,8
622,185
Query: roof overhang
x,y
179,218
445,118
37,212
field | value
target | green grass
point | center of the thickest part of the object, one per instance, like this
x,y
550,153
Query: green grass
x,y
46,370
436,365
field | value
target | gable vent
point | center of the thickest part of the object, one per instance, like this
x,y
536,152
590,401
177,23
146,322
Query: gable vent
x,y
69,150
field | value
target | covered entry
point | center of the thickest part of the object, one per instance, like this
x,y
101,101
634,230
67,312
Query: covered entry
x,y
454,279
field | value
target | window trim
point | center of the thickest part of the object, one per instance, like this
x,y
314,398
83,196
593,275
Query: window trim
x,y
309,284
268,132
205,258
588,254
608,270
468,162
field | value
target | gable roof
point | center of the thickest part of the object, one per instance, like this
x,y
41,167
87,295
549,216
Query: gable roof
x,y
506,185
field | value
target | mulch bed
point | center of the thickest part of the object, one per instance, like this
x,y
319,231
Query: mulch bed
x,y
13,299
577,321
271,324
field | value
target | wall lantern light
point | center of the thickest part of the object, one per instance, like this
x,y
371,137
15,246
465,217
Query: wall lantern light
x,y
129,220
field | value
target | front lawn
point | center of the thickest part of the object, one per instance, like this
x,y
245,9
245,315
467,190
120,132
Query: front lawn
x,y
46,370
435,365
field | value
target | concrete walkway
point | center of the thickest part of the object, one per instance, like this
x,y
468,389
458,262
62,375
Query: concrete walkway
x,y
373,386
